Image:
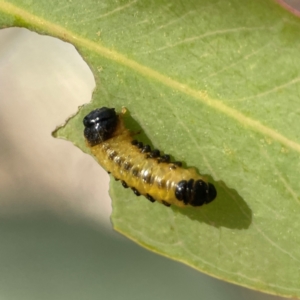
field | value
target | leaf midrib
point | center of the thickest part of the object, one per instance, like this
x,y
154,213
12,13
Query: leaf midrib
x,y
77,40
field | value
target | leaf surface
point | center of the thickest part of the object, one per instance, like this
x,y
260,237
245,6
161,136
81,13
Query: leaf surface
x,y
215,84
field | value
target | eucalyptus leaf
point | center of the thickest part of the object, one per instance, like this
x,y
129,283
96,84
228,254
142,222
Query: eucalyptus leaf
x,y
216,84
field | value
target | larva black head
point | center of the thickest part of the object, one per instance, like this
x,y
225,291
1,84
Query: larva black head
x,y
99,125
195,193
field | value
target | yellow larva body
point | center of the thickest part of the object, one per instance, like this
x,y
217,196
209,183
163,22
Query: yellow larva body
x,y
149,176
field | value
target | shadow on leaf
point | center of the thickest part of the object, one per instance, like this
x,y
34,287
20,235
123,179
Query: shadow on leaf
x,y
227,210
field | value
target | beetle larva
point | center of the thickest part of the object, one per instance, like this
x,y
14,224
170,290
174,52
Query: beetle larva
x,y
147,172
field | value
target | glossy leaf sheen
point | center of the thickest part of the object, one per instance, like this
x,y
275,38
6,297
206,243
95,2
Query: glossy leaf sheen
x,y
216,84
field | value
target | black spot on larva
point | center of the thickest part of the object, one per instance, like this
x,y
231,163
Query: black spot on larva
x,y
151,179
140,145
127,165
178,163
165,203
146,149
181,190
195,193
112,155
161,184
99,125
150,198
189,189
135,171
118,160
173,167
124,184
134,142
108,172
211,192
164,159
153,154
136,192
116,179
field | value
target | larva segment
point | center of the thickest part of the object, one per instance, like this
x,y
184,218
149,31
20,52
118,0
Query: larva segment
x,y
145,171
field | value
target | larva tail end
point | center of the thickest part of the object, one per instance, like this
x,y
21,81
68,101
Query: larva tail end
x,y
195,193
211,193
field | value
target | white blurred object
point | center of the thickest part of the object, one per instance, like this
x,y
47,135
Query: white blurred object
x,y
43,81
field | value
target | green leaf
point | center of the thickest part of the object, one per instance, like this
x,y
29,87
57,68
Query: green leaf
x,y
216,84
